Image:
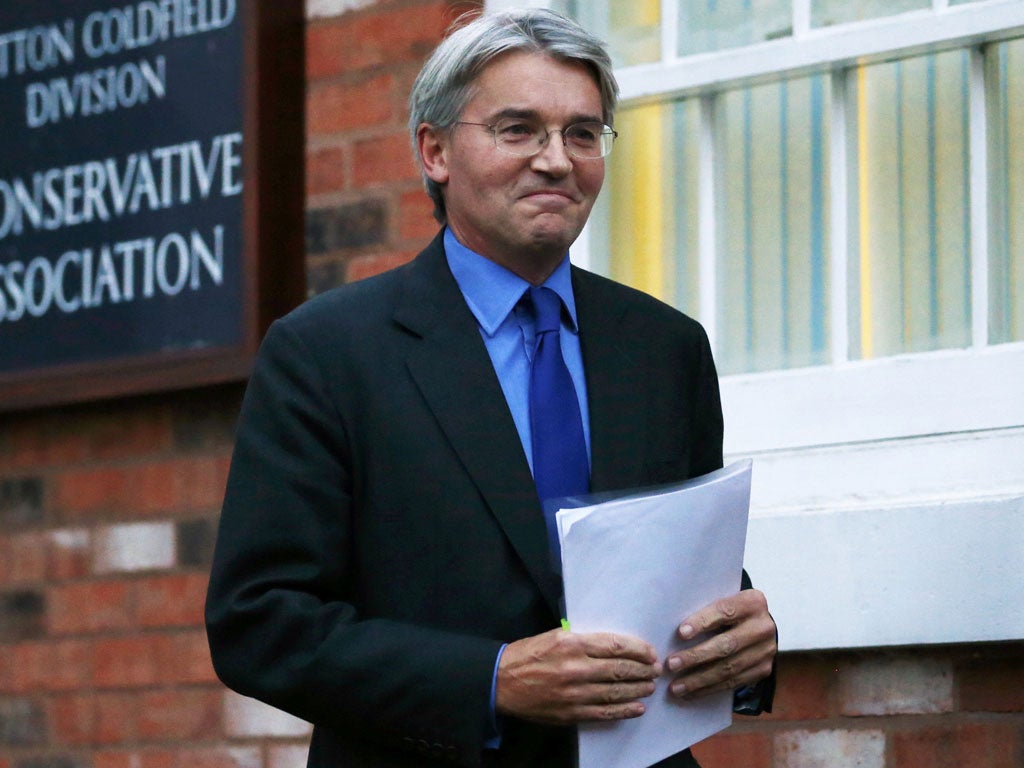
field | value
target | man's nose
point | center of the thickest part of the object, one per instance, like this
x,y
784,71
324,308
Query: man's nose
x,y
553,157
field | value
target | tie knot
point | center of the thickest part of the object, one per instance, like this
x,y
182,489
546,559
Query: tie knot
x,y
548,307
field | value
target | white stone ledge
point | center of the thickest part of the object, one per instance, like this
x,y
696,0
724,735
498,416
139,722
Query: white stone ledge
x,y
886,576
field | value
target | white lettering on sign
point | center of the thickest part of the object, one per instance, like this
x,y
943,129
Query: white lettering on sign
x,y
112,274
96,92
36,49
152,21
103,190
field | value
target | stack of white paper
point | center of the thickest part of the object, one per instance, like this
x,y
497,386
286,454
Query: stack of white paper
x,y
639,565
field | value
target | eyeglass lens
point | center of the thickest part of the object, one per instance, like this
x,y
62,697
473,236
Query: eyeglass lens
x,y
524,137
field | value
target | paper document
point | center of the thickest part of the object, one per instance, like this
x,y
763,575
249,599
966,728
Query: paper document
x,y
639,565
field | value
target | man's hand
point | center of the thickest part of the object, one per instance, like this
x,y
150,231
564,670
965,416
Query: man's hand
x,y
562,678
739,650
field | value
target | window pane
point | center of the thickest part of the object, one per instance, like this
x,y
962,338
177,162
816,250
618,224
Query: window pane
x,y
631,30
773,280
645,229
1006,235
711,25
910,281
825,13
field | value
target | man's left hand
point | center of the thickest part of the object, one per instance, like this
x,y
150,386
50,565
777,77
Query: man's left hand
x,y
739,648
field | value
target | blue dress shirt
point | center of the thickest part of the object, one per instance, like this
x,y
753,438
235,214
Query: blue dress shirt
x,y
493,294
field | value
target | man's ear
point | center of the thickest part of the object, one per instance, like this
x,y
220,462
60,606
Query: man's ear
x,y
432,144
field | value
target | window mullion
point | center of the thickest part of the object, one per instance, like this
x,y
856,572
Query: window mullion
x,y
669,30
839,213
709,192
801,18
979,199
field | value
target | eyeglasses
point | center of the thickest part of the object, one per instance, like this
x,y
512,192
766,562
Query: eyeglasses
x,y
520,137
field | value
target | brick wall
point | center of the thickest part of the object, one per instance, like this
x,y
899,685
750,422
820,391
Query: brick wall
x,y
366,207
108,512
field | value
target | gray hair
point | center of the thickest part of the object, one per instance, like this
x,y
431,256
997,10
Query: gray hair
x,y
444,85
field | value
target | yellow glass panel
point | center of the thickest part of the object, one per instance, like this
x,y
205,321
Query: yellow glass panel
x,y
912,283
638,220
634,31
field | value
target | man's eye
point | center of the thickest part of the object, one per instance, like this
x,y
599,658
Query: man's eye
x,y
583,134
515,130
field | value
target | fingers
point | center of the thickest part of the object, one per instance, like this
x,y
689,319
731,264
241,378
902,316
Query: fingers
x,y
608,645
739,651
559,677
724,613
728,673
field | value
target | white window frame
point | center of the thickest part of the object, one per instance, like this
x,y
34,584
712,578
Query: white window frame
x,y
865,467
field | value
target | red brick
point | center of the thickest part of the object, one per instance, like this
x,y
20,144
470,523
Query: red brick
x,y
383,160
194,715
145,489
116,717
142,433
61,666
126,662
203,481
184,658
6,670
163,601
45,441
988,744
53,439
84,492
143,758
24,558
992,685
219,757
115,759
73,719
401,36
416,217
367,266
326,170
90,607
736,750
340,107
804,688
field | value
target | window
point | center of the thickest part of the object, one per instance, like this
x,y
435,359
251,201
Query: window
x,y
833,187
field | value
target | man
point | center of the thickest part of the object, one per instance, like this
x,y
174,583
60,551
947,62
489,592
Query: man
x,y
383,567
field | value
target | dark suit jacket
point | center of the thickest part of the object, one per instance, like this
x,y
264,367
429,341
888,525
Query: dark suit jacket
x,y
381,535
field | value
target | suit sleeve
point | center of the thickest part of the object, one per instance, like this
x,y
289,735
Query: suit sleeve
x,y
281,620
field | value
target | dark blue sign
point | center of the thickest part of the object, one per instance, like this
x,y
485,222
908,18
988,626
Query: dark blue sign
x,y
121,175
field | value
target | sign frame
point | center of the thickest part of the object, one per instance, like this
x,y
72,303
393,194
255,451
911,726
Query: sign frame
x,y
273,91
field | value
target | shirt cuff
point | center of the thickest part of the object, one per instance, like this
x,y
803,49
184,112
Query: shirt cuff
x,y
755,699
494,741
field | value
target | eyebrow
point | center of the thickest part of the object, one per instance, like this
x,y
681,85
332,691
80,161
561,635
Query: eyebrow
x,y
532,114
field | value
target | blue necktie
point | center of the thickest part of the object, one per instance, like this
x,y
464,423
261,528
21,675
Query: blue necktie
x,y
560,463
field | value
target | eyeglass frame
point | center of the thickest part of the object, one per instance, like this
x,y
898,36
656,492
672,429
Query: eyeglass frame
x,y
606,130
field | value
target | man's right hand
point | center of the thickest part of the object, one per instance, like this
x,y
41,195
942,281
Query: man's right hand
x,y
562,678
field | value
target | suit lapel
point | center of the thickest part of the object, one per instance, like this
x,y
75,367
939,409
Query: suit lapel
x,y
618,416
454,373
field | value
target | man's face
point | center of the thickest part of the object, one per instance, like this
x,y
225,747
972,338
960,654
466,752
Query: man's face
x,y
522,212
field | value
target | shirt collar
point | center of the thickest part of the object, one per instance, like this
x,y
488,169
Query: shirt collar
x,y
492,291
